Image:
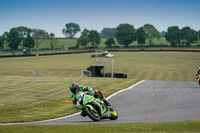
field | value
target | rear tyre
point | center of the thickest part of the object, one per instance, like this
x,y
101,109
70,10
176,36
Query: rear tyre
x,y
94,115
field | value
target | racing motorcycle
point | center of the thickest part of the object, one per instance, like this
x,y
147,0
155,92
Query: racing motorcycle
x,y
94,108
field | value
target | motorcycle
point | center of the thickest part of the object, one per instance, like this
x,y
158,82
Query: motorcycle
x,y
94,108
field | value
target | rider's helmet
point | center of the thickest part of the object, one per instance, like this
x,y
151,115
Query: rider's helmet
x,y
74,88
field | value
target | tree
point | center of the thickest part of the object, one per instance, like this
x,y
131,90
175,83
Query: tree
x,y
52,40
94,38
151,33
87,36
162,34
29,42
83,39
188,36
51,35
13,38
39,36
140,36
108,32
109,42
1,42
24,32
17,36
5,36
198,34
173,35
71,29
125,34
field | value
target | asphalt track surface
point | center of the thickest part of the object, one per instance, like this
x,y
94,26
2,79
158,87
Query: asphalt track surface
x,y
147,101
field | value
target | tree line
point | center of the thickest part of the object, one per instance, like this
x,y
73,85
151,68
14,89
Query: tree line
x,y
124,34
26,38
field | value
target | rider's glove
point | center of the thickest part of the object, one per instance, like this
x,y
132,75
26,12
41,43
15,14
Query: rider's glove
x,y
91,92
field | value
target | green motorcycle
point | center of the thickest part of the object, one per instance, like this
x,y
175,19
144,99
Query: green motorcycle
x,y
94,108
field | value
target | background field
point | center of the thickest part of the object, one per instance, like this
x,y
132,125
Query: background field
x,y
25,97
67,43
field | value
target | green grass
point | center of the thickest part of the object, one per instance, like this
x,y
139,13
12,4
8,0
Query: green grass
x,y
25,97
159,127
66,43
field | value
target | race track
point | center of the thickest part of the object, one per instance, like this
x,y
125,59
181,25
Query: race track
x,y
148,101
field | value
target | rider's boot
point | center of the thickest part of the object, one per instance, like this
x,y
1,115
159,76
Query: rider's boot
x,y
106,114
82,114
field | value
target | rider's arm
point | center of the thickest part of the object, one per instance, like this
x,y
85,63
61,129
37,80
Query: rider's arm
x,y
87,89
74,100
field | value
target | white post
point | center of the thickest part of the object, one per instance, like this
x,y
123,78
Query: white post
x,y
104,68
112,68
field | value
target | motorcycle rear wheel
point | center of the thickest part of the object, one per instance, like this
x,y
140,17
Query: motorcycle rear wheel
x,y
94,115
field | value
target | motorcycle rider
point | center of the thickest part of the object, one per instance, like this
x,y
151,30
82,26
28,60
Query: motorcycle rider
x,y
75,88
198,73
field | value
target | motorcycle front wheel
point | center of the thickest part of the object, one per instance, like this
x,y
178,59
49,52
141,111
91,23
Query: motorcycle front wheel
x,y
93,114
114,114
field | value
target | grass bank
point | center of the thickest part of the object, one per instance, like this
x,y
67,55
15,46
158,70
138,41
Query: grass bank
x,y
158,127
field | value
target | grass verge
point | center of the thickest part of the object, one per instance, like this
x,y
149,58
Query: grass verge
x,y
159,127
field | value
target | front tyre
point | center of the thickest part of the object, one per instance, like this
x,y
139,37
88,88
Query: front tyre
x,y
199,83
114,114
94,115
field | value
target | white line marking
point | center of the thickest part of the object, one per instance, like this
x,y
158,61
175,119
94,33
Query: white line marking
x,y
130,87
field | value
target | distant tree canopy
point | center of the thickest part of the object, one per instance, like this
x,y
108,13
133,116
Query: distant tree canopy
x,y
184,36
94,38
141,36
13,39
108,32
151,33
83,39
198,34
39,36
52,40
162,34
87,36
71,29
2,42
188,36
125,34
29,42
17,36
173,35
109,42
